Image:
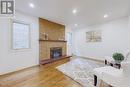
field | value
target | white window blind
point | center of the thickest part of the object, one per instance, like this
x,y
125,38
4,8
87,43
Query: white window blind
x,y
21,35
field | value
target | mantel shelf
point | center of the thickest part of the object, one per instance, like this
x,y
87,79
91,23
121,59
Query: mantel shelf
x,y
53,40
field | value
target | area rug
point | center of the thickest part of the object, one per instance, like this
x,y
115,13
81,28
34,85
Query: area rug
x,y
80,70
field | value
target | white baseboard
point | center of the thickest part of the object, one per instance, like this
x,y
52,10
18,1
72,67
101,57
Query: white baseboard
x,y
90,58
17,70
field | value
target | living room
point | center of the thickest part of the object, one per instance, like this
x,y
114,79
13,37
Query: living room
x,y
65,44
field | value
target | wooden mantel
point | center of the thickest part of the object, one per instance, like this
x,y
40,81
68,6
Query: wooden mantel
x,y
53,40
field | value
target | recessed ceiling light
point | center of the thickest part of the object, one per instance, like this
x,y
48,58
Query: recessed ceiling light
x,y
105,16
31,5
76,25
74,11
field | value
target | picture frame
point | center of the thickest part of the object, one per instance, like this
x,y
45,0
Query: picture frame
x,y
93,36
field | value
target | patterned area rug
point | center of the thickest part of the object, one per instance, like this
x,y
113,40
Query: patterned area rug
x,y
80,70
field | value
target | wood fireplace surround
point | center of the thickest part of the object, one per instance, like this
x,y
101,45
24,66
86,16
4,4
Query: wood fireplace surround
x,y
52,36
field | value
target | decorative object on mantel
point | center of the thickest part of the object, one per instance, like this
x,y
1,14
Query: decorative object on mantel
x,y
93,36
44,35
118,57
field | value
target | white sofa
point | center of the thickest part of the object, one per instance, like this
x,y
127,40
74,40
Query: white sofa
x,y
113,76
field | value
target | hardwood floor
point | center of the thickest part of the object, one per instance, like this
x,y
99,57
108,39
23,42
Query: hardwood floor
x,y
40,76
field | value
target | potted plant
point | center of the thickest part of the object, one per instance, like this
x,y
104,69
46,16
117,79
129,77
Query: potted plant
x,y
118,57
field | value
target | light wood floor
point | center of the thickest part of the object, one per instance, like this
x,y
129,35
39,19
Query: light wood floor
x,y
43,76
39,76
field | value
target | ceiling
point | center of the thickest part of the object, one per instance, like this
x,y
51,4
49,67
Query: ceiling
x,y
89,12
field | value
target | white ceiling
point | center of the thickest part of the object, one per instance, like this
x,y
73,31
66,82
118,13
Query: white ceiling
x,y
89,12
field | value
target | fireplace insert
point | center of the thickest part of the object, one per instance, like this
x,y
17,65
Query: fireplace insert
x,y
56,52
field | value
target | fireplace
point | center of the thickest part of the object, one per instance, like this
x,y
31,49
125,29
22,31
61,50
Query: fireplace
x,y
55,52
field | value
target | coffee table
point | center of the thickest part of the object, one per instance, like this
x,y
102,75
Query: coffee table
x,y
113,64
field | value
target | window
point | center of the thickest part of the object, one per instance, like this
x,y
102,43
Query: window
x,y
20,35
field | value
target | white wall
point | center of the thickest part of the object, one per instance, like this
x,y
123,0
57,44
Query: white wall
x,y
129,22
129,28
12,60
115,38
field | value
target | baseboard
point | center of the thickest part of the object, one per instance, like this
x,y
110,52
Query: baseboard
x,y
19,70
90,58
